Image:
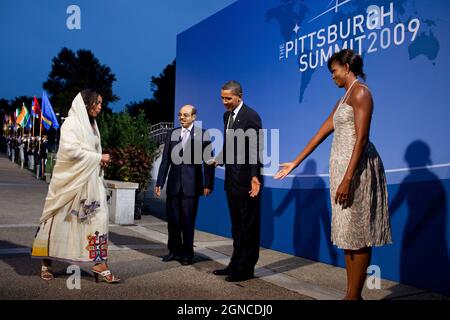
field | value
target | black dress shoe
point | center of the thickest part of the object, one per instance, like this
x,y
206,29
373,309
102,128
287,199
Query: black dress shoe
x,y
222,272
185,261
171,256
239,277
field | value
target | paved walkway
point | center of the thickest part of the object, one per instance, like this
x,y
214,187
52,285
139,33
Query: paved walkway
x,y
135,255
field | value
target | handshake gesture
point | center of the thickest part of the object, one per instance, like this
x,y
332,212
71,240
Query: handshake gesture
x,y
212,162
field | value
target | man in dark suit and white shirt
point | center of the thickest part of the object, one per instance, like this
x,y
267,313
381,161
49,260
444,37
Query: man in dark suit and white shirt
x,y
243,179
182,160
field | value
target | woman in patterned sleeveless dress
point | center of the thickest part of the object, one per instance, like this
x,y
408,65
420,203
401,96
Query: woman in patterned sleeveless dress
x,y
360,217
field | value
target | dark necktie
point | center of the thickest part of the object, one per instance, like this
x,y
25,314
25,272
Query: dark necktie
x,y
231,121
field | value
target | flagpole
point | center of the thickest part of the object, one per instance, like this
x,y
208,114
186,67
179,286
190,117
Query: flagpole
x,y
33,126
32,129
33,110
23,119
40,133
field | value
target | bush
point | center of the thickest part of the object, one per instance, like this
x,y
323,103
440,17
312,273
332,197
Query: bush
x,y
120,130
130,164
127,140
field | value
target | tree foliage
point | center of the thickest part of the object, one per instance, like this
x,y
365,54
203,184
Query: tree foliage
x,y
161,107
72,72
9,106
121,129
132,150
130,164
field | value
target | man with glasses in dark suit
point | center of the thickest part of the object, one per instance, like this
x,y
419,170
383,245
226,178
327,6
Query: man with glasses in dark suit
x,y
182,160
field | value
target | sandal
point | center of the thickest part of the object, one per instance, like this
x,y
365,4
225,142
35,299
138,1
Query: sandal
x,y
107,276
46,273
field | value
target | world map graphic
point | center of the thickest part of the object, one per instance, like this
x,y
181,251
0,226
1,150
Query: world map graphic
x,y
297,12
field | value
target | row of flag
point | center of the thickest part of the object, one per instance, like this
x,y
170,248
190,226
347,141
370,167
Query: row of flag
x,y
22,117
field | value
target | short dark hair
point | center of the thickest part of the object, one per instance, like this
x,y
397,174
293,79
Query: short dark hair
x,y
89,98
348,56
234,86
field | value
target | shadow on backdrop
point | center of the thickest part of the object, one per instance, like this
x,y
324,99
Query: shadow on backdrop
x,y
424,260
312,216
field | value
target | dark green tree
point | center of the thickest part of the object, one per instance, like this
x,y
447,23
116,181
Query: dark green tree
x,y
18,101
5,109
161,107
72,72
5,106
147,106
163,88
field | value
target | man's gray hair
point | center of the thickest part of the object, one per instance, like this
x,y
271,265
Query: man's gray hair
x,y
234,86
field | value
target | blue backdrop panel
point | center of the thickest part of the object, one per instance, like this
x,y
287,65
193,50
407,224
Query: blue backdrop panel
x,y
278,50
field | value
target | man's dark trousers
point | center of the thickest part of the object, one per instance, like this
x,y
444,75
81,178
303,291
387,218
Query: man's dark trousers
x,y
245,211
245,221
181,213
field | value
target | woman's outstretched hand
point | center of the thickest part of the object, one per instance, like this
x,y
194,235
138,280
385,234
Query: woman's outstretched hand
x,y
287,167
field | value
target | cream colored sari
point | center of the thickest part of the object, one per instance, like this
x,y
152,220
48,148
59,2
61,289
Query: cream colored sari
x,y
74,222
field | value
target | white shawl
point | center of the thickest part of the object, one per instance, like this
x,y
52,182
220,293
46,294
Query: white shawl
x,y
77,173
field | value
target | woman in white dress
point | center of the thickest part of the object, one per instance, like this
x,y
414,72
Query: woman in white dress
x,y
74,222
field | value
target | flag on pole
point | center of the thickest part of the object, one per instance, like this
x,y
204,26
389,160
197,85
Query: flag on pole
x,y
48,115
29,123
35,108
23,117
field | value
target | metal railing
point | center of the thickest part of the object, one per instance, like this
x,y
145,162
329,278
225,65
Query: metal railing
x,y
158,131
